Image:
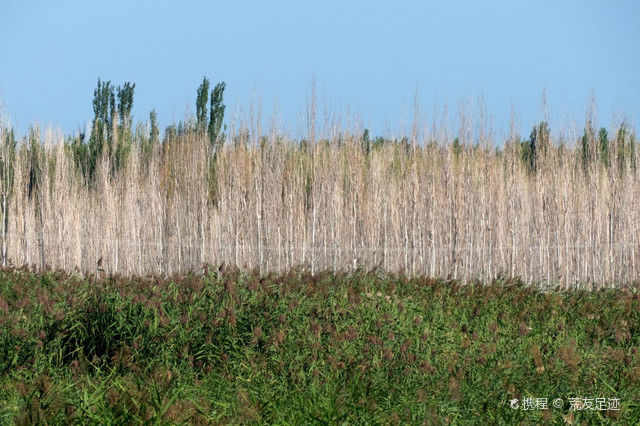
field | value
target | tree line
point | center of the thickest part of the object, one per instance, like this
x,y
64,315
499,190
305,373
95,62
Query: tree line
x,y
113,136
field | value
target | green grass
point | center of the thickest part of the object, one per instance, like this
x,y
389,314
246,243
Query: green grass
x,y
361,348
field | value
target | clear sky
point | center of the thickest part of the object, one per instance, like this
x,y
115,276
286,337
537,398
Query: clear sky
x,y
367,57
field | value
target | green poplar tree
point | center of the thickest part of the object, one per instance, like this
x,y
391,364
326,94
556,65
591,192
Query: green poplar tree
x,y
216,115
457,149
604,147
201,105
366,142
530,151
586,145
536,146
123,138
104,110
125,104
154,134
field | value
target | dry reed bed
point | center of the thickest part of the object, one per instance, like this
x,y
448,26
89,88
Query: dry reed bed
x,y
420,209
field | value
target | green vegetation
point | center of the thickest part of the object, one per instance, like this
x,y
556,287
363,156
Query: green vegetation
x,y
366,142
112,135
536,146
216,116
201,104
232,347
213,123
626,147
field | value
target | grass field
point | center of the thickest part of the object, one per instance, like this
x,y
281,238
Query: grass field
x,y
232,347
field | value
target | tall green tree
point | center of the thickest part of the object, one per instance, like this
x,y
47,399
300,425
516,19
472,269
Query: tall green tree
x,y
216,115
122,139
201,105
110,131
366,142
457,149
36,161
621,146
543,135
125,103
103,105
535,146
154,134
149,141
586,145
104,111
216,118
604,147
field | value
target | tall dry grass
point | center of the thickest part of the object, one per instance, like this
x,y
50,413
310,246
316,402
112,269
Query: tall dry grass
x,y
419,208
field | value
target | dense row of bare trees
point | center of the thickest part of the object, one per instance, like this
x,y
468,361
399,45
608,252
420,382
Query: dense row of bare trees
x,y
441,208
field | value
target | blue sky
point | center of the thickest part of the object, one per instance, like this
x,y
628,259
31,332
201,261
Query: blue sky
x,y
367,58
